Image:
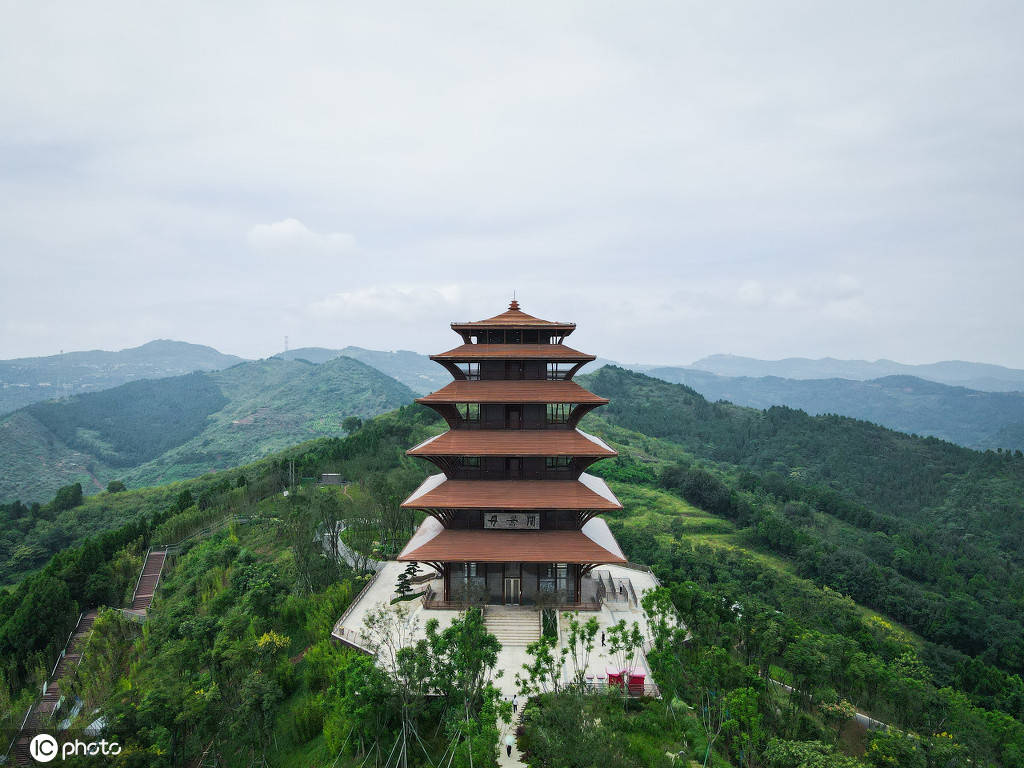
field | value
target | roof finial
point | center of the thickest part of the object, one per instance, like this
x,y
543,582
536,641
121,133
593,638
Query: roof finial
x,y
513,304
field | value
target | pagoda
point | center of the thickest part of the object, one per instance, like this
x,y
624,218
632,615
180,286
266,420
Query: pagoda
x,y
512,517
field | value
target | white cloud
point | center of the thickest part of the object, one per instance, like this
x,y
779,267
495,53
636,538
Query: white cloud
x,y
387,302
779,179
292,236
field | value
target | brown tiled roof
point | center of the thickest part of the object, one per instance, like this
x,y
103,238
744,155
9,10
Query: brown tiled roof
x,y
510,494
513,352
480,546
513,317
512,391
511,442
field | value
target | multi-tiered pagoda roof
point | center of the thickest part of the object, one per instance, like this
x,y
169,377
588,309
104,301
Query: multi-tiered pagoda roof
x,y
513,488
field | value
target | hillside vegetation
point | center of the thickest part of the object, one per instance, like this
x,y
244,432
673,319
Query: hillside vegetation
x,y
235,663
180,427
929,533
906,403
418,372
31,379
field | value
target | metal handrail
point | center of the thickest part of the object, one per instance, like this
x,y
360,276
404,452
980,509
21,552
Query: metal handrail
x,y
632,592
67,642
17,733
142,570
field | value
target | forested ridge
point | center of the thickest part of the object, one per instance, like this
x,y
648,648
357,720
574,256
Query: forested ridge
x,y
968,417
925,531
136,422
156,431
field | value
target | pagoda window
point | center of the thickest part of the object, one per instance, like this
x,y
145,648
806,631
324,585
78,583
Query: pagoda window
x,y
470,370
470,412
557,462
554,577
559,371
513,337
495,337
558,413
469,463
531,337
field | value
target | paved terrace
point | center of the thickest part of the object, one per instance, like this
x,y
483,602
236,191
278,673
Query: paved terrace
x,y
616,605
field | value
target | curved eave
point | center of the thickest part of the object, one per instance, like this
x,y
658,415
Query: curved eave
x,y
511,321
589,493
512,391
479,352
520,442
432,542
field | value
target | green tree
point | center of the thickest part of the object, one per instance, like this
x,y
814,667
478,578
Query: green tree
x,y
742,730
105,660
116,486
403,585
894,749
184,500
68,497
805,754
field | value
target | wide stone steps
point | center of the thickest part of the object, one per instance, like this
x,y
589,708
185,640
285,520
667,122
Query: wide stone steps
x,y
513,626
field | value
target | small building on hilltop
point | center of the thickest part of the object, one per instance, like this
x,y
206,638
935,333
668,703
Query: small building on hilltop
x,y
513,517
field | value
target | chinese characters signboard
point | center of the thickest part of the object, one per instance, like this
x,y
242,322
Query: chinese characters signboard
x,y
525,521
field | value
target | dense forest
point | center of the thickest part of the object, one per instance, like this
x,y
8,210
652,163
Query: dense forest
x,y
157,431
927,532
907,403
107,424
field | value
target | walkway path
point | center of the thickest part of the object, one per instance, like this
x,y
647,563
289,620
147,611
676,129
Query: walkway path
x,y
40,713
516,760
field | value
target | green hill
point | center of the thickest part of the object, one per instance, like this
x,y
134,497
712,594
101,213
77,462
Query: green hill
x,y
910,404
170,429
237,637
416,371
927,532
32,379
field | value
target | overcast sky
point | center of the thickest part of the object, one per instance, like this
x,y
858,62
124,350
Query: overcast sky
x,y
762,178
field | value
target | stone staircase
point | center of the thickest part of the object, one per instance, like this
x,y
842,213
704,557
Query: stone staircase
x,y
513,625
39,717
151,570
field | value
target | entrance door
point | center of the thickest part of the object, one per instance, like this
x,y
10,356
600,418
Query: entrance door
x,y
511,591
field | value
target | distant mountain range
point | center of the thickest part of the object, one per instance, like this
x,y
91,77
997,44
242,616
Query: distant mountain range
x,y
31,379
418,372
979,376
155,431
906,403
162,425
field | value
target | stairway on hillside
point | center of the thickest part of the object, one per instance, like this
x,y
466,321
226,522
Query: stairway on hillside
x,y
150,578
513,625
44,708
